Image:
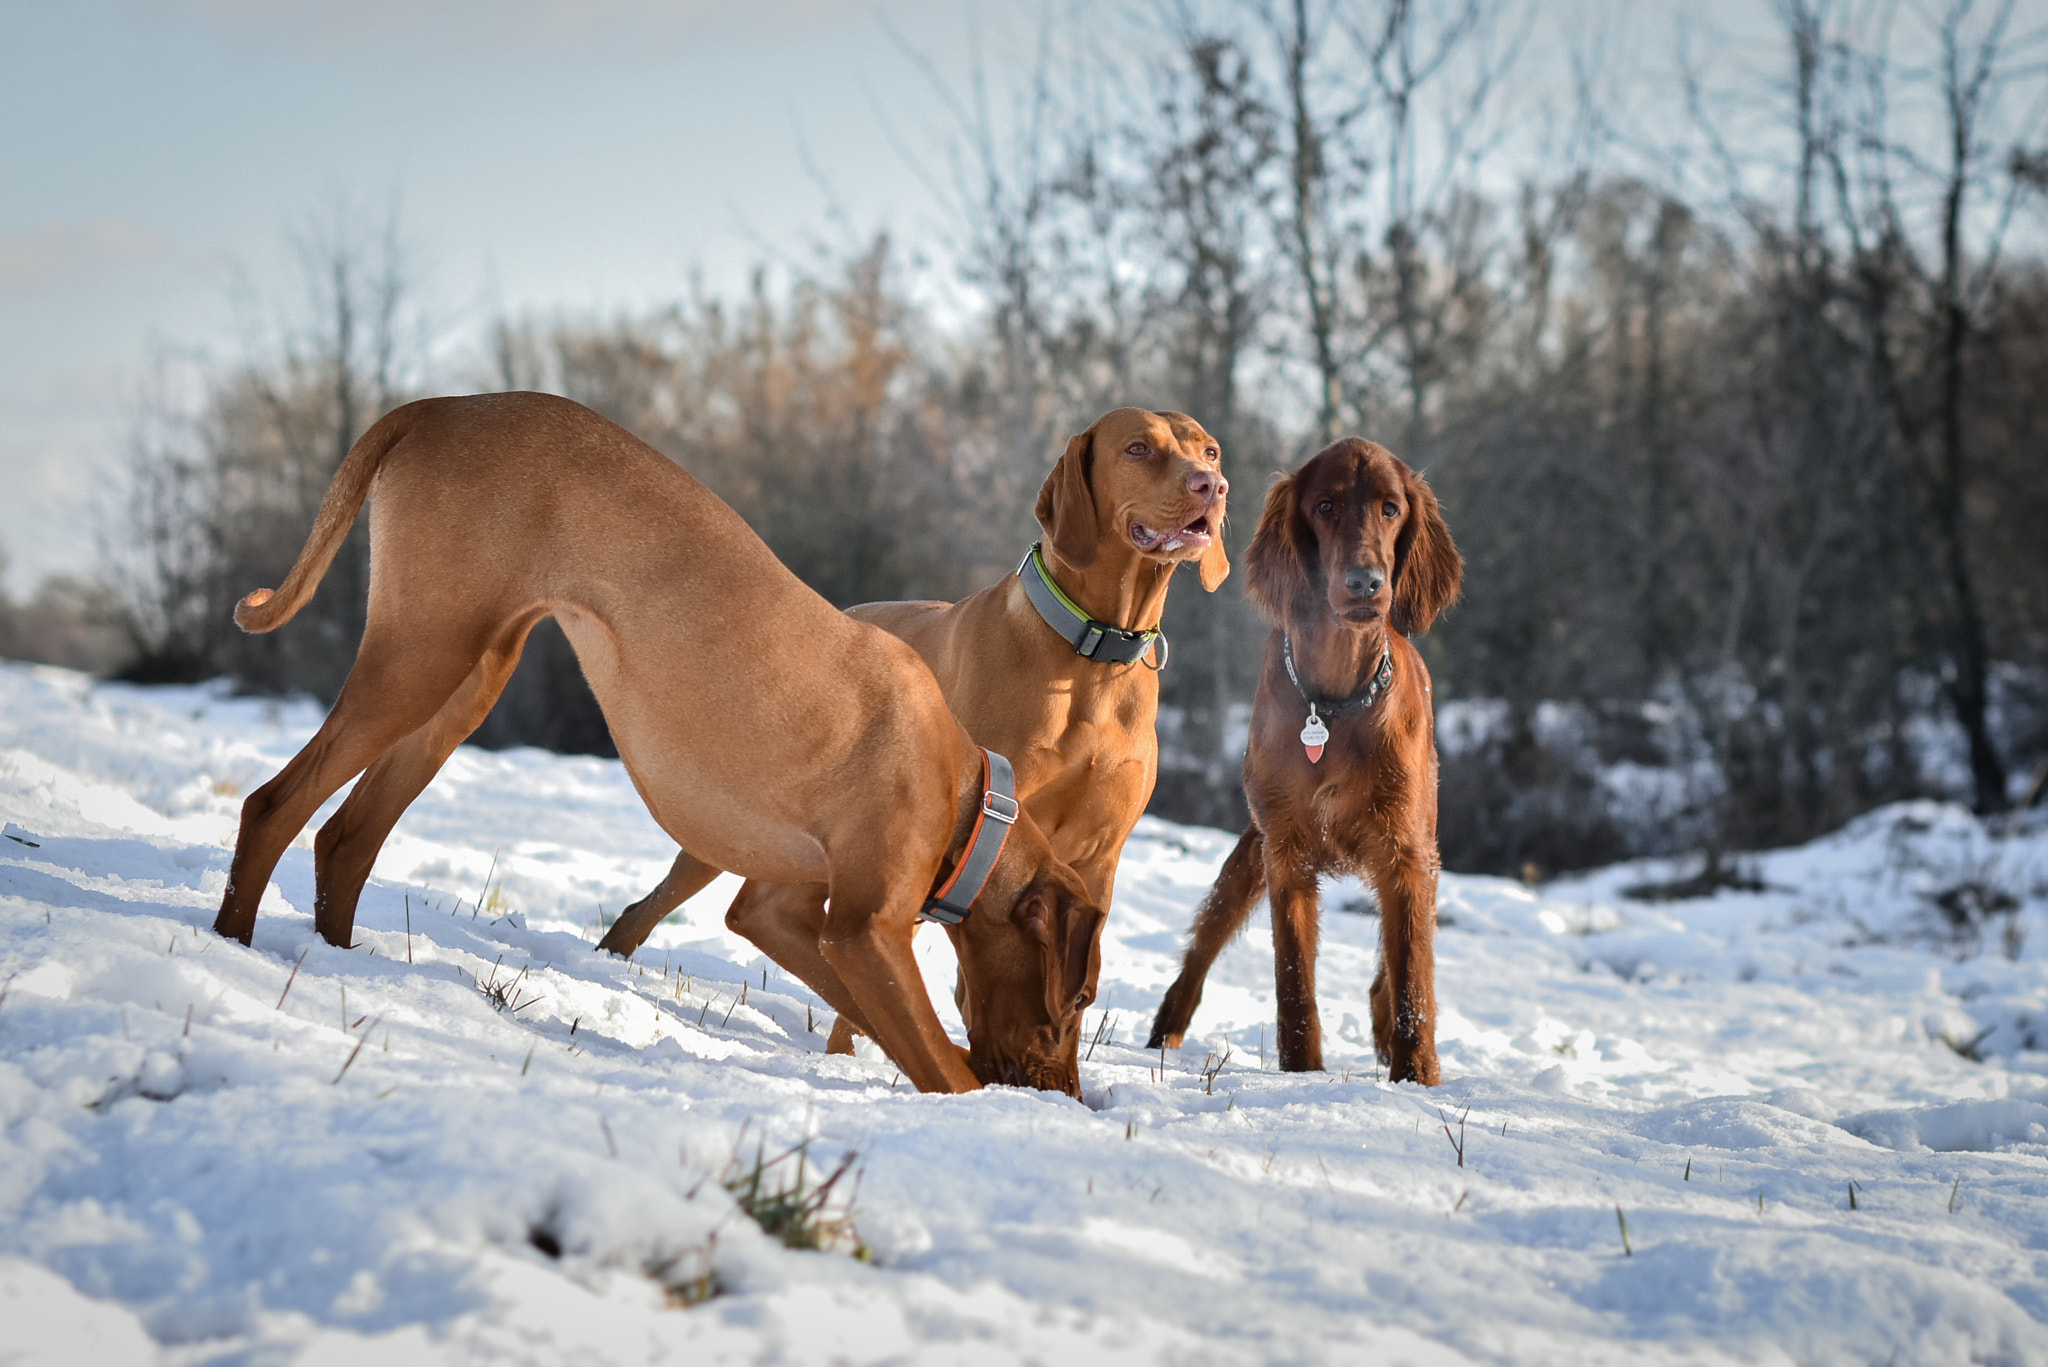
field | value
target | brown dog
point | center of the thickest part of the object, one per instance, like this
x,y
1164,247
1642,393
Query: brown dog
x,y
1350,558
1134,496
765,731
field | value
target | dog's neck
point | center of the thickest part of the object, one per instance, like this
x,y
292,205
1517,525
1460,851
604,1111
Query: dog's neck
x,y
1122,587
1335,658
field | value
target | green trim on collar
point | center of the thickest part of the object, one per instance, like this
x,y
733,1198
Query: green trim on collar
x,y
1091,639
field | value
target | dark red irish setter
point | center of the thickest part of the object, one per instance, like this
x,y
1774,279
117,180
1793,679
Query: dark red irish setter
x,y
1351,558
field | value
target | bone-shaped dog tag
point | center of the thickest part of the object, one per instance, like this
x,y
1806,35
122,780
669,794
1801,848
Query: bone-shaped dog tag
x,y
1314,736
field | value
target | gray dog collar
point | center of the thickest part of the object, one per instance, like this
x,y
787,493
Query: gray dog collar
x,y
1092,640
950,904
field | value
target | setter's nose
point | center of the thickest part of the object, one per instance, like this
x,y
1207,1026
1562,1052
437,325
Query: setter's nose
x,y
1364,583
1207,485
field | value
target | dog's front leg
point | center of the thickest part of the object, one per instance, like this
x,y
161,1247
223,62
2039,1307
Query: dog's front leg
x,y
786,921
1291,890
867,941
1404,995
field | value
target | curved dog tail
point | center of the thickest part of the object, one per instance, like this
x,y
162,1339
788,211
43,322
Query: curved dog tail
x,y
268,609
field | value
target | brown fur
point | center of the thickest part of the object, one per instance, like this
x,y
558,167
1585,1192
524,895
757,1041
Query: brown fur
x,y
1081,734
766,732
1370,805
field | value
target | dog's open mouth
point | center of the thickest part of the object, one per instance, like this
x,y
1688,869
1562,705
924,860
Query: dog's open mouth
x,y
1194,538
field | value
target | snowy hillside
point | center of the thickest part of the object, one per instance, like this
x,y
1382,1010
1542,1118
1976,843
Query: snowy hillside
x,y
1820,1108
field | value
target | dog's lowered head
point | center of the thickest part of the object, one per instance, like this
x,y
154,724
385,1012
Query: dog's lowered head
x,y
1028,959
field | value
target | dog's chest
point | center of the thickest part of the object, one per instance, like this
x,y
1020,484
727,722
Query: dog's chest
x,y
1344,814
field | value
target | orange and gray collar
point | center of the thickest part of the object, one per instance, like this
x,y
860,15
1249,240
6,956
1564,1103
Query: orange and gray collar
x,y
1092,640
998,812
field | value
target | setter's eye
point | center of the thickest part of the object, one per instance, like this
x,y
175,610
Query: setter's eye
x,y
1213,454
1325,508
1137,450
1389,511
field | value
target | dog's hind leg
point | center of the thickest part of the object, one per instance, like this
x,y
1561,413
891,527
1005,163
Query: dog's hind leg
x,y
346,848
1221,916
841,1040
685,878
401,677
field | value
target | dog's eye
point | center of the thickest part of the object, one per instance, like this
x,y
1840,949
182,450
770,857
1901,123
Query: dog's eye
x,y
1388,510
1325,508
1213,454
1138,449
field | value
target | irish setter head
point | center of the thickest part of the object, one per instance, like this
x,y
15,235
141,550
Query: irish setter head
x,y
1357,534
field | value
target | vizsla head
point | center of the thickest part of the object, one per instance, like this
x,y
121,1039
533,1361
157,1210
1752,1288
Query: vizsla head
x,y
1357,534
1028,956
1143,483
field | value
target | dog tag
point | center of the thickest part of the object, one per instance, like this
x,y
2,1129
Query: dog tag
x,y
1314,736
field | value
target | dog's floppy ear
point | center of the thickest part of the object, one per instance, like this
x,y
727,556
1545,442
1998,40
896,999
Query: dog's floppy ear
x,y
1068,931
1214,566
1427,567
1276,566
1066,503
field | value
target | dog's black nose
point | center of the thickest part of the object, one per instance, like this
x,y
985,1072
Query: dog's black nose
x,y
1364,583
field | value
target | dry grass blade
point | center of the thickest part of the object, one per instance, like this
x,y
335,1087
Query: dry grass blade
x,y
292,979
688,1278
357,1050
1457,1140
1106,1022
503,995
787,1207
1211,1068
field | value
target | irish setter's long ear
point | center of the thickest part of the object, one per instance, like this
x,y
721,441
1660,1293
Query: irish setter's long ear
x,y
1276,565
1066,503
1427,567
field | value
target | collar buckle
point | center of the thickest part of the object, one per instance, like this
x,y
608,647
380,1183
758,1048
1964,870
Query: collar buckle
x,y
1102,642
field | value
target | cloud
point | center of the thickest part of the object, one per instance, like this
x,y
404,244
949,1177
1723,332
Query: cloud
x,y
58,248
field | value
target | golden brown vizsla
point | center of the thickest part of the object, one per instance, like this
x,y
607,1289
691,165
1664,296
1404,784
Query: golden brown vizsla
x,y
1133,497
1351,558
765,731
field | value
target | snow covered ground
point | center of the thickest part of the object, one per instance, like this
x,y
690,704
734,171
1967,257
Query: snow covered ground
x,y
293,1153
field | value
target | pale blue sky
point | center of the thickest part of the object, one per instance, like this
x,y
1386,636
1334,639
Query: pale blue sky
x,y
545,155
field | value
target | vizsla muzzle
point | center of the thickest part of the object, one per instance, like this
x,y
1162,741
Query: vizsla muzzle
x,y
768,734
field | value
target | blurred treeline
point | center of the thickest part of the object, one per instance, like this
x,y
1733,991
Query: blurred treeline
x,y
1741,431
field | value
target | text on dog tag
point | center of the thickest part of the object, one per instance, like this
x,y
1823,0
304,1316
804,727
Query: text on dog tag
x,y
1314,736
